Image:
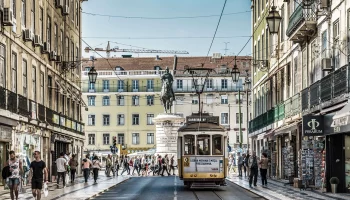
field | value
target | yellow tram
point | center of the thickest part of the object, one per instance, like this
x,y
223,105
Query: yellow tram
x,y
202,152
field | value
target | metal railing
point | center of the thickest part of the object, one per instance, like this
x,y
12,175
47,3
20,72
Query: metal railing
x,y
41,112
314,94
288,107
305,99
326,88
296,107
12,102
299,16
111,73
23,106
3,97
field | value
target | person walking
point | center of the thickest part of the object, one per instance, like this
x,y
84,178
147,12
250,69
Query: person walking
x,y
246,160
263,168
164,165
117,165
61,163
86,164
240,164
136,166
244,165
171,165
38,170
108,165
253,166
125,166
73,164
96,166
16,169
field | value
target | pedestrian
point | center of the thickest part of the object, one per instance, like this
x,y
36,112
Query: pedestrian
x,y
86,165
108,165
171,165
164,165
244,165
159,163
253,166
136,166
38,170
73,164
125,166
16,169
117,165
96,165
263,168
61,163
240,164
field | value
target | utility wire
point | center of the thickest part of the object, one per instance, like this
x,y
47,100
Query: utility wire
x,y
162,18
217,27
168,38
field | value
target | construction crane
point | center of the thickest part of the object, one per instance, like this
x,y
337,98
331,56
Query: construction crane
x,y
108,50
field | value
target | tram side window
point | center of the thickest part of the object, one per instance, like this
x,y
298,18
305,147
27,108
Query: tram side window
x,y
189,145
203,145
217,145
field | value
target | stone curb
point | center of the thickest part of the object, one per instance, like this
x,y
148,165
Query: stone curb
x,y
105,190
252,191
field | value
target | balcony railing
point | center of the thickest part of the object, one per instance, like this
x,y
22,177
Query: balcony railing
x,y
341,81
326,87
49,115
281,111
111,73
296,107
41,112
314,94
305,99
3,98
23,106
300,15
288,107
12,101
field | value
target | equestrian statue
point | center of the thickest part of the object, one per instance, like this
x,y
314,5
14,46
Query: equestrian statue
x,y
167,94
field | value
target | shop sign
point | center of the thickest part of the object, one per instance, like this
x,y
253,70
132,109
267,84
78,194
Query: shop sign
x,y
313,125
63,121
56,119
69,123
342,121
5,133
74,125
167,140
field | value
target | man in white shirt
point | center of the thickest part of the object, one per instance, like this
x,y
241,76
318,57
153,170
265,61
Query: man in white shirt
x,y
61,163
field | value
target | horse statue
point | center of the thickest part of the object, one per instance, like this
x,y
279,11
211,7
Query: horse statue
x,y
167,94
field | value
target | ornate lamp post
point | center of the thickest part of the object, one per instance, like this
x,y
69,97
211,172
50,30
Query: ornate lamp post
x,y
247,87
273,20
199,79
92,73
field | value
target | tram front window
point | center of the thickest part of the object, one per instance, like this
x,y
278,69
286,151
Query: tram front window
x,y
217,145
203,145
189,145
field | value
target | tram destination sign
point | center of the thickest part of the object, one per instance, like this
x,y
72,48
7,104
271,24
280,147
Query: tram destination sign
x,y
203,164
207,119
313,125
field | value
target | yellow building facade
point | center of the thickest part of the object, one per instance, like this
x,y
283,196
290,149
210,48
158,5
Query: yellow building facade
x,y
122,103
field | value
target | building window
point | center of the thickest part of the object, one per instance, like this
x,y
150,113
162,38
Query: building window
x,y
135,85
239,119
223,83
42,88
106,138
120,85
105,120
282,24
14,72
179,84
150,119
135,138
34,84
150,84
2,66
91,100
49,89
120,100
77,14
121,119
324,44
150,138
150,100
91,120
91,138
48,33
91,86
210,84
24,14
25,83
224,118
135,119
105,101
121,138
55,37
135,100
105,85
195,100
237,137
32,16
224,99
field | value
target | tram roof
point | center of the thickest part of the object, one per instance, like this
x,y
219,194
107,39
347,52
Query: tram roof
x,y
203,126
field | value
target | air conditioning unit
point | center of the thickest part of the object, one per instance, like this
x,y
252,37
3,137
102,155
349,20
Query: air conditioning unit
x,y
37,40
324,4
52,56
65,10
59,3
58,59
8,17
46,47
28,36
217,55
326,64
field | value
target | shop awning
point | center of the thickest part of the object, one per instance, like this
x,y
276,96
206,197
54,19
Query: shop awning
x,y
342,117
287,128
270,133
261,136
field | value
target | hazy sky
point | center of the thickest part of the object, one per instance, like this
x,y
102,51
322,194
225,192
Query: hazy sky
x,y
167,34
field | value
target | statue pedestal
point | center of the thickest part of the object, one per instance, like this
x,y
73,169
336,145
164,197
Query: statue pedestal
x,y
167,126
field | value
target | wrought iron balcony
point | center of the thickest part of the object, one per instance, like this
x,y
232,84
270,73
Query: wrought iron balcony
x,y
296,107
12,101
341,81
270,116
302,23
288,107
305,99
41,112
23,106
281,111
326,88
49,116
315,94
3,98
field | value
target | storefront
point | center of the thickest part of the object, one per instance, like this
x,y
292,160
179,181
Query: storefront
x,y
5,140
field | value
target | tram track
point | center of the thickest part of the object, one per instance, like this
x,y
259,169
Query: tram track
x,y
202,195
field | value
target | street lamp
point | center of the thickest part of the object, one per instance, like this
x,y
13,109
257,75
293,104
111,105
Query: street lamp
x,y
92,75
247,86
235,73
199,79
273,20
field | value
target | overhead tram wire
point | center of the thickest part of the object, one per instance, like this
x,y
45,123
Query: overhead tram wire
x,y
168,38
162,18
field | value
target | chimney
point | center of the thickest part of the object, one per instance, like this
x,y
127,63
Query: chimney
x,y
157,57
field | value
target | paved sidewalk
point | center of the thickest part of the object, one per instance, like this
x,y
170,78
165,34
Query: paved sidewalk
x,y
79,190
277,190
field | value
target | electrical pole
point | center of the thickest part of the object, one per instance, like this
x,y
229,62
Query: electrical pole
x,y
226,48
239,118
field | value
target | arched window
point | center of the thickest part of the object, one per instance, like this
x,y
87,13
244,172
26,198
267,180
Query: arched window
x,y
203,145
189,145
105,101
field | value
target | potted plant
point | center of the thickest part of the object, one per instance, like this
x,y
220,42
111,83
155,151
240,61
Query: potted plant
x,y
334,183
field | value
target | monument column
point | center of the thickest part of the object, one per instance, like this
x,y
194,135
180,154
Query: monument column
x,y
167,126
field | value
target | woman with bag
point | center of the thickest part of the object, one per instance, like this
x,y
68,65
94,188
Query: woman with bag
x,y
96,165
263,168
73,163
